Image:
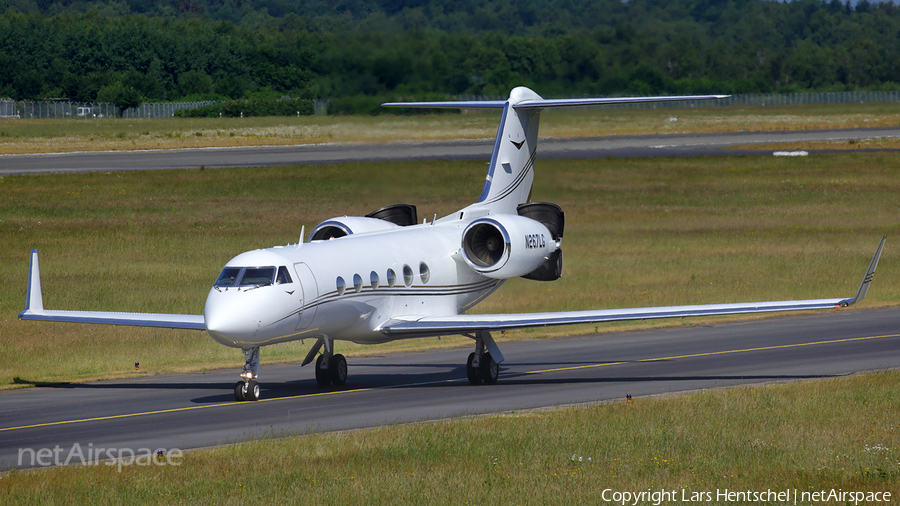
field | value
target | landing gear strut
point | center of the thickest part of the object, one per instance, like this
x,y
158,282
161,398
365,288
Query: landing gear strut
x,y
248,388
482,367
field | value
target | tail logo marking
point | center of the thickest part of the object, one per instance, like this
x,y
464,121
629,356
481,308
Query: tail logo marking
x,y
519,144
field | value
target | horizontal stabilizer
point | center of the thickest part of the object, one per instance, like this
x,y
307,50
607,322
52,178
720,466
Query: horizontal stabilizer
x,y
34,310
549,103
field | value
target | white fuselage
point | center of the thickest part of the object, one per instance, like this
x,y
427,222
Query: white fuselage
x,y
401,272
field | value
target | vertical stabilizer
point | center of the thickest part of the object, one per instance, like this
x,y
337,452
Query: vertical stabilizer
x,y
34,300
511,171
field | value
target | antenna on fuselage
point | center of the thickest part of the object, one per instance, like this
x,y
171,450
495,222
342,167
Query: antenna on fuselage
x,y
302,233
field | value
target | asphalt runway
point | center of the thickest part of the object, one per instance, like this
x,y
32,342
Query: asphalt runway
x,y
619,146
194,410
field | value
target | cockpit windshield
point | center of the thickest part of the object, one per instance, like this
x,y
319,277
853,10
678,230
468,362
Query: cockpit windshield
x,y
258,276
228,277
251,276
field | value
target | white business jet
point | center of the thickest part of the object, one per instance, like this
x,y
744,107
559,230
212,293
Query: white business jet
x,y
384,276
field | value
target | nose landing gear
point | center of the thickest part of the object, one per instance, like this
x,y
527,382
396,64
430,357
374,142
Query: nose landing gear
x,y
248,388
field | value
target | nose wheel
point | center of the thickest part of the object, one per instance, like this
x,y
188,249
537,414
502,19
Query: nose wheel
x,y
246,390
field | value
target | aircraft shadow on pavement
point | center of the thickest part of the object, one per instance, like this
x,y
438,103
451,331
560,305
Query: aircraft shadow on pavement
x,y
443,376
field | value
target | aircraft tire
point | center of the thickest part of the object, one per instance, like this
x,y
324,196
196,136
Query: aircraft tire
x,y
472,373
338,369
322,377
253,391
240,391
490,370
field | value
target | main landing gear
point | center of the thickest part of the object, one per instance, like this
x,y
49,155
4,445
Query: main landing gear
x,y
482,366
333,370
248,388
330,368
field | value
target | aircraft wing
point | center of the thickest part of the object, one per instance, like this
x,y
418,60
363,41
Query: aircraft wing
x,y
34,310
460,324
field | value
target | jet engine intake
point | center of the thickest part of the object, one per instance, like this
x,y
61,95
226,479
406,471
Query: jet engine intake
x,y
503,247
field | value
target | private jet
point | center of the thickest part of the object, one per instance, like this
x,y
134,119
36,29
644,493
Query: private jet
x,y
385,276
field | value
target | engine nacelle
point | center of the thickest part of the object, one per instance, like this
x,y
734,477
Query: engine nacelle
x,y
348,225
506,246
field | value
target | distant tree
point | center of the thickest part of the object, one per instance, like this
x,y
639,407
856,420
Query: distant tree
x,y
232,87
28,85
194,83
124,97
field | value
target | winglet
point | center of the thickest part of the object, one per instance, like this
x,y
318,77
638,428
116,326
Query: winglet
x,y
34,300
867,279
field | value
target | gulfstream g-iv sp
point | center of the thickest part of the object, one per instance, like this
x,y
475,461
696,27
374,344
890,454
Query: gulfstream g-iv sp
x,y
385,276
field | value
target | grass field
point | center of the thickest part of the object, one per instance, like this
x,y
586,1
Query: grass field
x,y
643,232
835,434
38,136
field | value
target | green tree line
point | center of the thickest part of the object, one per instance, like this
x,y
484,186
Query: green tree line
x,y
358,52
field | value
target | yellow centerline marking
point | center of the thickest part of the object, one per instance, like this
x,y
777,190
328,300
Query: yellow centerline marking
x,y
175,410
781,346
301,396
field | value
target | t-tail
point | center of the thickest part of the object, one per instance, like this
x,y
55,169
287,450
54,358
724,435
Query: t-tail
x,y
511,171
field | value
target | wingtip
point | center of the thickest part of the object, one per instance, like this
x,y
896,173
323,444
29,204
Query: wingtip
x,y
34,299
868,277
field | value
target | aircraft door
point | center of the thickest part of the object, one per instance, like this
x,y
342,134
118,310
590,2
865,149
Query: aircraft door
x,y
310,291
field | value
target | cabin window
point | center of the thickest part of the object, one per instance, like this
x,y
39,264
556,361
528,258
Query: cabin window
x,y
258,276
228,277
283,277
341,285
357,282
407,275
424,273
373,278
391,277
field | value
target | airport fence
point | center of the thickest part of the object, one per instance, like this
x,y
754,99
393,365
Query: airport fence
x,y
65,109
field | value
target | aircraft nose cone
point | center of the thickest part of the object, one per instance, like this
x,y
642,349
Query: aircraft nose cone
x,y
227,321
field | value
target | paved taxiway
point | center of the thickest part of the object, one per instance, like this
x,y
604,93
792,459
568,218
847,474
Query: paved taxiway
x,y
480,149
195,410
